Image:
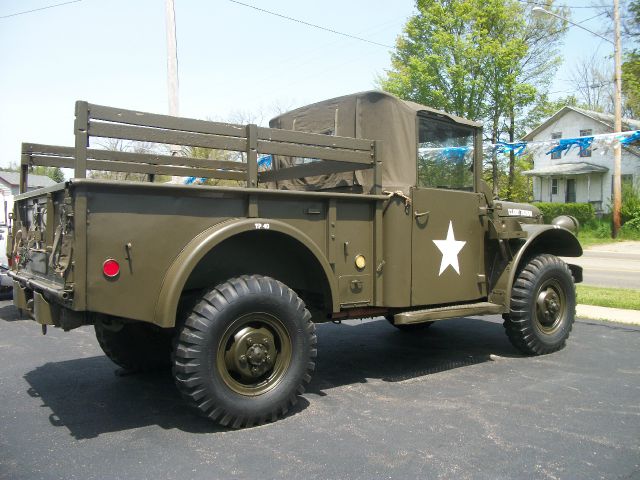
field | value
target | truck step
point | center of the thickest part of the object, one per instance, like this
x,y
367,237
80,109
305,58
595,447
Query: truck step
x,y
441,313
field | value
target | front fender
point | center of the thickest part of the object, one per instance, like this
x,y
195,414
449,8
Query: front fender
x,y
551,239
179,271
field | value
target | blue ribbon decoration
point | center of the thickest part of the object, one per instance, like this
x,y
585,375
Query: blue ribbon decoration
x,y
517,148
454,153
265,162
565,144
633,138
192,180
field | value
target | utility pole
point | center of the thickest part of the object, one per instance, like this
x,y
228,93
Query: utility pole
x,y
617,124
172,64
617,148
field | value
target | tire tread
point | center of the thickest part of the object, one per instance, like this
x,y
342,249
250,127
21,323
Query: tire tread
x,y
190,340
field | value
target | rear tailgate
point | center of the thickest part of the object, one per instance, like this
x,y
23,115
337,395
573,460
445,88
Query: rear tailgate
x,y
41,248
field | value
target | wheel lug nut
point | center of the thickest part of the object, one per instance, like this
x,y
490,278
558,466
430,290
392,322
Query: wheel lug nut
x,y
268,358
249,341
243,359
265,340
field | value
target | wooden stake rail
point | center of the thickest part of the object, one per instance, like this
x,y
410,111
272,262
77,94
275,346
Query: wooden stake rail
x,y
338,154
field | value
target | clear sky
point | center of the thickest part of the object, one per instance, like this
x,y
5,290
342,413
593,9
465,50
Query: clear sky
x,y
231,58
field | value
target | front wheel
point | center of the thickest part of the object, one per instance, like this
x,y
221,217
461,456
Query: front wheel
x,y
543,305
245,352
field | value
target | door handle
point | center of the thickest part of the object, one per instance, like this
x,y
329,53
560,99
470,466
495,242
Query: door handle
x,y
421,214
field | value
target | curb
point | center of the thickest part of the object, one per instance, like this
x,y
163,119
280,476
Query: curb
x,y
619,315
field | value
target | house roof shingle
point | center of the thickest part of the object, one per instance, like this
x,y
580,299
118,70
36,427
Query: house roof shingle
x,y
33,181
605,118
574,168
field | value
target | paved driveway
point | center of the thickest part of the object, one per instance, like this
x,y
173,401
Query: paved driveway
x,y
455,402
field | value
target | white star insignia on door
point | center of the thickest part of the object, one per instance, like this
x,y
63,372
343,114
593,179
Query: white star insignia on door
x,y
450,247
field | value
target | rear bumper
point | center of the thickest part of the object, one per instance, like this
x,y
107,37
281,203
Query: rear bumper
x,y
37,306
46,304
33,284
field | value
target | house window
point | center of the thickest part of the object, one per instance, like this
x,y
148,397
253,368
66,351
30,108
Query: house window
x,y
554,186
586,133
555,136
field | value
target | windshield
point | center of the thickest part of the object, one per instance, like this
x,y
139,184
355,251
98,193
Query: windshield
x,y
445,155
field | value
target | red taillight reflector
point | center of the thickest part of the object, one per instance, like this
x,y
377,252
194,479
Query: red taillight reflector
x,y
110,268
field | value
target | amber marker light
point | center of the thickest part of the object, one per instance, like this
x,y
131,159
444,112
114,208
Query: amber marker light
x,y
360,262
110,268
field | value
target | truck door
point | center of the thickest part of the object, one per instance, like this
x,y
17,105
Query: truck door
x,y
447,234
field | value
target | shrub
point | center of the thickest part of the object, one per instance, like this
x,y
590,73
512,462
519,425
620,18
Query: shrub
x,y
630,209
632,226
583,212
598,228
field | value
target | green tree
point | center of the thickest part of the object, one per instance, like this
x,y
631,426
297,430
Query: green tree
x,y
541,110
542,35
54,173
631,65
215,154
480,59
440,58
631,84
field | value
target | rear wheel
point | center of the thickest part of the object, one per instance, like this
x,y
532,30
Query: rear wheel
x,y
543,305
134,346
245,352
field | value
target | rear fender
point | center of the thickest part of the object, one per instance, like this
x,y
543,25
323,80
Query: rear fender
x,y
179,271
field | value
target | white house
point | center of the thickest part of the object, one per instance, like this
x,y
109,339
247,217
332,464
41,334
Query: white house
x,y
10,186
583,177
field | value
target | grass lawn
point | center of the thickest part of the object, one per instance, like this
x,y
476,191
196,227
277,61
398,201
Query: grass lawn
x,y
587,241
609,297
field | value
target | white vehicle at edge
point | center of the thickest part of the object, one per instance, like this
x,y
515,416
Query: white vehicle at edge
x,y
5,280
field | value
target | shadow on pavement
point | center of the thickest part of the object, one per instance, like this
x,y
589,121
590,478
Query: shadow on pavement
x,y
9,313
352,353
85,396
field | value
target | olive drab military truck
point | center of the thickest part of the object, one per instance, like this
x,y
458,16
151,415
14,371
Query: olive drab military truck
x,y
369,206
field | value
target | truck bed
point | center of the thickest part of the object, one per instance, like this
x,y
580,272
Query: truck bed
x,y
65,233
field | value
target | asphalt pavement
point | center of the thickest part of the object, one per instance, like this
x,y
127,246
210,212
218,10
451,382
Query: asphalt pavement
x,y
454,402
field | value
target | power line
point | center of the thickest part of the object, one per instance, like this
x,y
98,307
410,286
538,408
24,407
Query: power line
x,y
39,9
319,27
577,23
591,18
531,2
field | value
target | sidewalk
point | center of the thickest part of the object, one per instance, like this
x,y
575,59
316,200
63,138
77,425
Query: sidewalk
x,y
631,249
592,312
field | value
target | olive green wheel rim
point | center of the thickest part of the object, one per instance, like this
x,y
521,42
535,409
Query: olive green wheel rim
x,y
550,306
254,354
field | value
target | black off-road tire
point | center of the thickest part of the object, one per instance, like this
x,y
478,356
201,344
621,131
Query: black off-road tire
x,y
135,346
236,326
412,327
543,306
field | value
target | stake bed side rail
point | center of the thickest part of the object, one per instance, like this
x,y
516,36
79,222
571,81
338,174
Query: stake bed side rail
x,y
338,154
